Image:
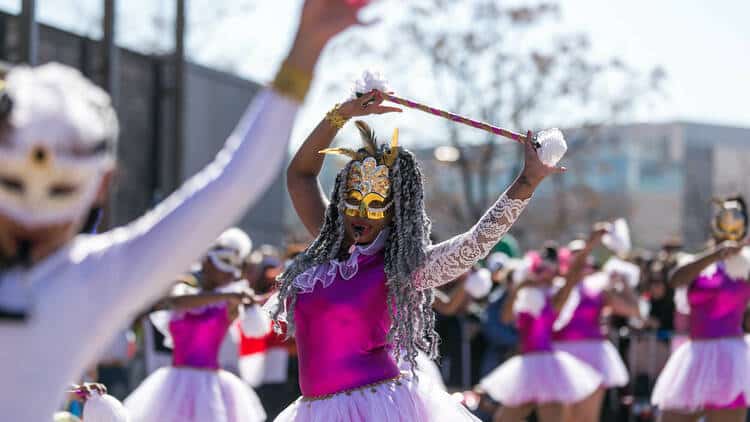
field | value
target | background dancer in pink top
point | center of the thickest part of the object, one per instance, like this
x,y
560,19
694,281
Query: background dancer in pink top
x,y
195,388
541,378
710,374
580,332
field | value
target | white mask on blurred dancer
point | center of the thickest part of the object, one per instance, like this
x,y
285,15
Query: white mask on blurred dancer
x,y
56,145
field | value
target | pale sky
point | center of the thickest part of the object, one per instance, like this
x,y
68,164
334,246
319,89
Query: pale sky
x,y
703,46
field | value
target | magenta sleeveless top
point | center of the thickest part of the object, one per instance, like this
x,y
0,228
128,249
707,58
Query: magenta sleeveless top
x,y
197,337
342,329
535,332
716,305
584,324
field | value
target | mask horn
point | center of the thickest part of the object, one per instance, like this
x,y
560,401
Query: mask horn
x,y
340,151
390,157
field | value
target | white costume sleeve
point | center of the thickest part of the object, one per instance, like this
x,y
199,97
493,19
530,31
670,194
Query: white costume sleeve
x,y
448,260
143,258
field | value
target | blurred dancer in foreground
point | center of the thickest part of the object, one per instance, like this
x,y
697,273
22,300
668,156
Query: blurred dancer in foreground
x,y
57,140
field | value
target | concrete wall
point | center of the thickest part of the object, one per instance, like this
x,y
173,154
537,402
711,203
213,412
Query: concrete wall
x,y
214,104
146,150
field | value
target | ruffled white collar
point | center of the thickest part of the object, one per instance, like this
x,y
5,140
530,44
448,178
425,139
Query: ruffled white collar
x,y
325,273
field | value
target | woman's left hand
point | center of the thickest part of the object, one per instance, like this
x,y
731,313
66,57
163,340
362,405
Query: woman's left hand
x,y
534,170
370,103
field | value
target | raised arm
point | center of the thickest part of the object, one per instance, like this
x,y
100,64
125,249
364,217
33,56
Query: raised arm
x,y
307,196
454,302
577,267
506,314
447,260
685,274
142,258
623,302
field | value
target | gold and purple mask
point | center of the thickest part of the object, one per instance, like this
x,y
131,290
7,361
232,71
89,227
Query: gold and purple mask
x,y
367,186
368,183
730,221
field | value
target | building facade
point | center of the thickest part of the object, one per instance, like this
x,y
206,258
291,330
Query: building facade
x,y
660,177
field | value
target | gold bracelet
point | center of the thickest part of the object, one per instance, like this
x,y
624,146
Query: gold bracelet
x,y
292,82
335,118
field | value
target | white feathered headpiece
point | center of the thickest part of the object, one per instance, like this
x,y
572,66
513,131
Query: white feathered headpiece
x,y
230,250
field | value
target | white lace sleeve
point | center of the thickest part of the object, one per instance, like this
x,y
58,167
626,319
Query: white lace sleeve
x,y
447,260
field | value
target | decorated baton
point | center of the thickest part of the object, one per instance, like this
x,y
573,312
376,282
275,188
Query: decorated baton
x,y
455,117
550,144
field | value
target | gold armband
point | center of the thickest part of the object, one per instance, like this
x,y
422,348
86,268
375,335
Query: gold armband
x,y
335,118
292,82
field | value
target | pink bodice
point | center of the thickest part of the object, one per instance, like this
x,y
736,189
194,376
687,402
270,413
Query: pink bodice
x,y
197,337
342,329
535,332
584,324
717,304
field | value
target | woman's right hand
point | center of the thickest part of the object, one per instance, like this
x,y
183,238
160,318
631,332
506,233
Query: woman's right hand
x,y
320,21
370,103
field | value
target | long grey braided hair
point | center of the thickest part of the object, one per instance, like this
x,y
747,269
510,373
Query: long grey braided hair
x,y
412,318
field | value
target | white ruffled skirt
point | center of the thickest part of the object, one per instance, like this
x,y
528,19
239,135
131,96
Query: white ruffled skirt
x,y
705,374
543,377
600,355
194,395
402,400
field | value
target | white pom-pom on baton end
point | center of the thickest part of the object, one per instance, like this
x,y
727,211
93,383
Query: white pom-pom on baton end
x,y
551,146
104,408
370,80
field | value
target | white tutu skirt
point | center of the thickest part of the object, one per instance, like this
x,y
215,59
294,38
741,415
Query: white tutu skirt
x,y
194,395
546,377
402,401
600,355
705,374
